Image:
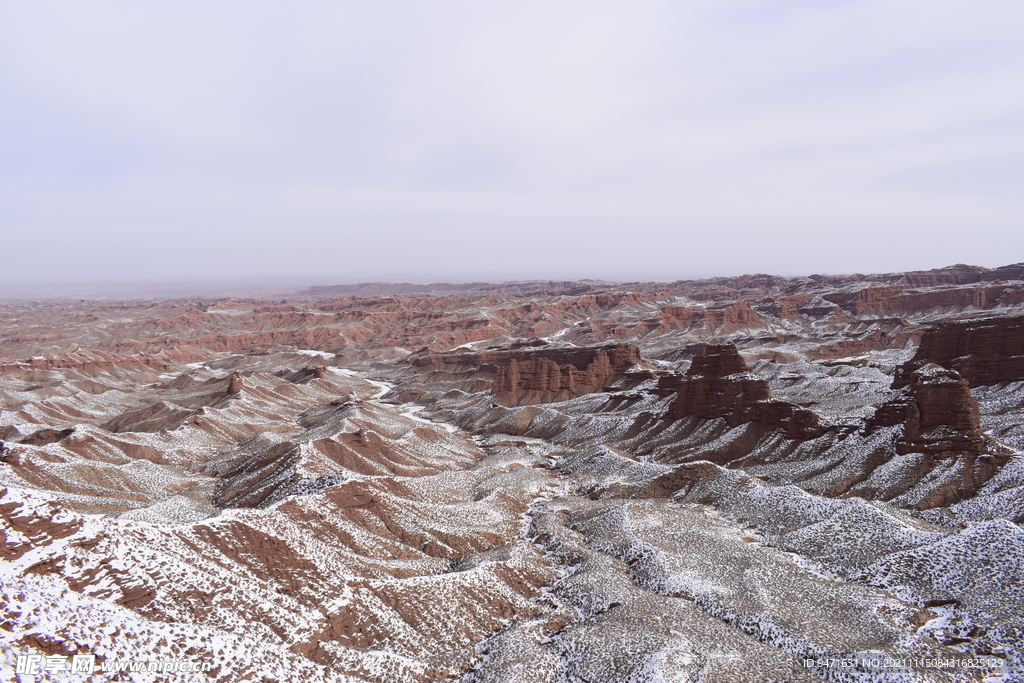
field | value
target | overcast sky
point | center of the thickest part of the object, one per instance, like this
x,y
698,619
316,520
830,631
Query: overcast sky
x,y
386,140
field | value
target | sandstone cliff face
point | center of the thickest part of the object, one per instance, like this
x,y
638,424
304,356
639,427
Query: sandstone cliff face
x,y
959,274
1014,271
719,385
543,375
984,351
732,316
937,412
941,431
876,299
558,374
674,316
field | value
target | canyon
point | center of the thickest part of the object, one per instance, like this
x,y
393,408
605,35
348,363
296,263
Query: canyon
x,y
754,478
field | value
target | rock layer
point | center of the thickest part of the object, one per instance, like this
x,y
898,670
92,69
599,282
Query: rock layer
x,y
937,413
542,375
983,352
719,385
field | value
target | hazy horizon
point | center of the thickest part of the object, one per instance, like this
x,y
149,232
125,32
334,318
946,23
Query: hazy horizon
x,y
337,143
426,278
275,287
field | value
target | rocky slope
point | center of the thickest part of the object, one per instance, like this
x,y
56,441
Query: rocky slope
x,y
738,479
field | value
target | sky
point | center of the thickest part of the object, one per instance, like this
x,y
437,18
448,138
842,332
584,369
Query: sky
x,y
467,140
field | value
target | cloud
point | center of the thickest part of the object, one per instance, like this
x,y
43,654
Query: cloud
x,y
454,139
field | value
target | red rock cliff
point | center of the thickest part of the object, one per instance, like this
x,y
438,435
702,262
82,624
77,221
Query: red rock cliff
x,y
984,351
937,412
542,375
719,385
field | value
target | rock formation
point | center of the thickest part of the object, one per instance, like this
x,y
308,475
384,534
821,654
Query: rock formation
x,y
730,316
542,375
942,430
719,384
983,351
937,413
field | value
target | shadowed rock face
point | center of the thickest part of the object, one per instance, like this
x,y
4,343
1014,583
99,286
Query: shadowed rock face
x,y
937,413
718,361
719,385
982,351
46,436
941,423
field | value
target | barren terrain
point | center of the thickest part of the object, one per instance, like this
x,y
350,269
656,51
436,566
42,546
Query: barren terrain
x,y
737,479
